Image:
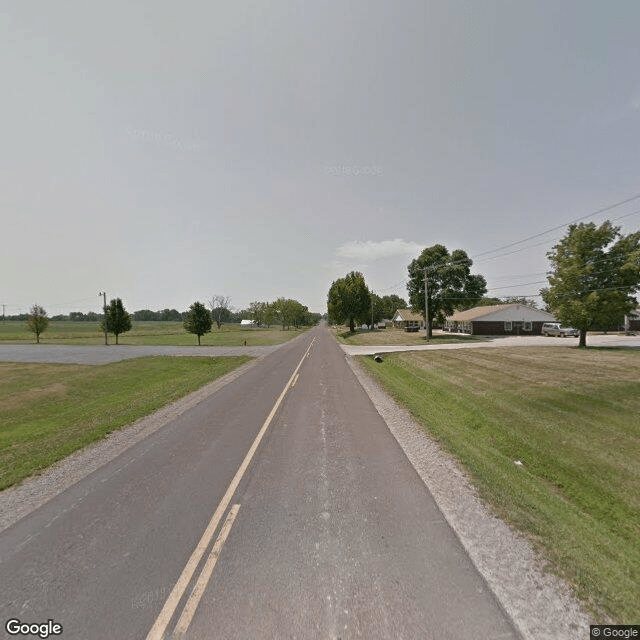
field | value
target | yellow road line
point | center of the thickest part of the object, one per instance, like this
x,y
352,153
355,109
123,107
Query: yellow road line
x,y
162,621
194,599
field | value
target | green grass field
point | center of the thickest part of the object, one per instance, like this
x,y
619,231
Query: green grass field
x,y
145,333
48,411
398,337
572,417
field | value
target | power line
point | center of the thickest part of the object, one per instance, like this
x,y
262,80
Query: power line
x,y
533,237
502,255
539,295
513,286
537,235
560,226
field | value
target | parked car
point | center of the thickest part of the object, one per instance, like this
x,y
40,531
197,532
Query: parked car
x,y
556,329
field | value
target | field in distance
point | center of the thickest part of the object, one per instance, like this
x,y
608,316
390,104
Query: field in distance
x,y
160,332
393,336
48,411
572,418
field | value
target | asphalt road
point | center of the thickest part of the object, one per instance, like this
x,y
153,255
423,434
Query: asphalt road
x,y
321,529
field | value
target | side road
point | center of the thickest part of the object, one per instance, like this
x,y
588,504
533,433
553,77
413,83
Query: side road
x,y
78,354
599,340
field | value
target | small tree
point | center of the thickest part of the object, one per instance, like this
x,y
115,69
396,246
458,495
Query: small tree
x,y
198,320
595,274
37,321
269,314
116,318
257,312
220,310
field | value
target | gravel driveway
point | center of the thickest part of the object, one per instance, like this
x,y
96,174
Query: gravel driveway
x,y
598,340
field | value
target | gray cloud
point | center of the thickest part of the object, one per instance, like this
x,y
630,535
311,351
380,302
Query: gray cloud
x,y
369,250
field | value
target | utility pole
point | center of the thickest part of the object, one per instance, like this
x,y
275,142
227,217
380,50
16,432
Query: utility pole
x,y
371,311
426,303
104,297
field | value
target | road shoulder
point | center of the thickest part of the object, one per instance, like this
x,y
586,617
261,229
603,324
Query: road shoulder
x,y
541,606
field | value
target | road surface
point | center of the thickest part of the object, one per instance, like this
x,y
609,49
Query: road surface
x,y
279,507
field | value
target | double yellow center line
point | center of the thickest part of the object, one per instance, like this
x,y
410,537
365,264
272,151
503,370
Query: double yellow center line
x,y
162,621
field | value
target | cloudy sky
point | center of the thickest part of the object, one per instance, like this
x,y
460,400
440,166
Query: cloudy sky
x,y
168,151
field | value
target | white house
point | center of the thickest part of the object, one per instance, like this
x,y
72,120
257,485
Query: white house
x,y
407,320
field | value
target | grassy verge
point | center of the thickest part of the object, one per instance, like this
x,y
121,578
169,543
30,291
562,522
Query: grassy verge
x,y
399,337
146,333
572,417
47,411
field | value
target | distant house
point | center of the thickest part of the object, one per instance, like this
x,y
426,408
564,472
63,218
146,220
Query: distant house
x,y
247,323
634,320
499,320
407,320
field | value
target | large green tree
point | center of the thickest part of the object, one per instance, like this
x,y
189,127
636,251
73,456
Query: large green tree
x,y
37,321
595,276
449,279
198,320
390,304
349,300
116,318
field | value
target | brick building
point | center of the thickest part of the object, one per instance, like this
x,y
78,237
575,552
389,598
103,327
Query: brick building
x,y
499,320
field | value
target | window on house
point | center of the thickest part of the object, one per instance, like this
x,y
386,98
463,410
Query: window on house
x,y
507,326
527,326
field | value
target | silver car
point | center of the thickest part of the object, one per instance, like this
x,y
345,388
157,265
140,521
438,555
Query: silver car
x,y
556,329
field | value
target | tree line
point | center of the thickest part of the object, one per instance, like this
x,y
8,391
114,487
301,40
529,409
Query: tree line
x,y
593,280
198,319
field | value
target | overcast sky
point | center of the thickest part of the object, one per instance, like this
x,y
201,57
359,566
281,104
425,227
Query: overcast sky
x,y
168,151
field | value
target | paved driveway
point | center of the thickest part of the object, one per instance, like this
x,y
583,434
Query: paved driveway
x,y
77,354
597,340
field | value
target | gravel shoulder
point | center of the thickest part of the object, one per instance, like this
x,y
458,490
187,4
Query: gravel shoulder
x,y
541,605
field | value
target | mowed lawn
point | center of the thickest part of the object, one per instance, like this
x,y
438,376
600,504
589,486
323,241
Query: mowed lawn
x,y
398,337
572,417
47,411
146,333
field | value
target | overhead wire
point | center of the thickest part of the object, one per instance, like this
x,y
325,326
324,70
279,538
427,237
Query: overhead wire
x,y
532,237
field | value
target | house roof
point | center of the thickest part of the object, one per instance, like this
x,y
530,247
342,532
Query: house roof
x,y
499,310
402,315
